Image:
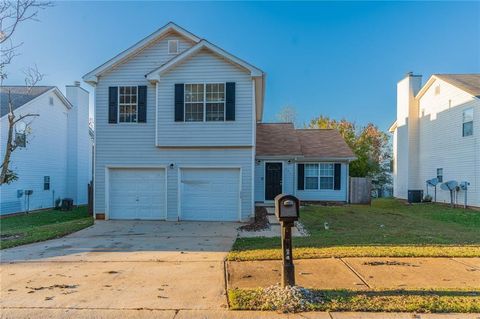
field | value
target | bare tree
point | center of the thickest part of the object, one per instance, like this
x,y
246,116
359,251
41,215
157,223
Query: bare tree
x,y
287,114
12,14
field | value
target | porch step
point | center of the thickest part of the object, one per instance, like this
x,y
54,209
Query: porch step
x,y
273,220
270,210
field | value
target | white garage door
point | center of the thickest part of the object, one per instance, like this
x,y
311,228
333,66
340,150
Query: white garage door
x,y
136,193
210,194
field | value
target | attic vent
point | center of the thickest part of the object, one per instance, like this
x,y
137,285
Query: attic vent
x,y
50,100
172,46
437,90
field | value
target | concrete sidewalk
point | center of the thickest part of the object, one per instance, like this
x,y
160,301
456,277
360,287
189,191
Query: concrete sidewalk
x,y
362,273
212,314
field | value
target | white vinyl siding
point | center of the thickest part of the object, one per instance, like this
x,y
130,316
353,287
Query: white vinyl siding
x,y
47,147
441,144
205,67
135,145
290,184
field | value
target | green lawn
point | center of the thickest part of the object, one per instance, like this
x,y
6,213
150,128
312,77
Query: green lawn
x,y
388,227
39,226
458,301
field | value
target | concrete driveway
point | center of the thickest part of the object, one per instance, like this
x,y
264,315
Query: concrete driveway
x,y
121,265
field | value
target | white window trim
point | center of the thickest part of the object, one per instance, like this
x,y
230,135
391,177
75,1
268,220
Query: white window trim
x,y
465,122
319,178
168,48
205,102
118,106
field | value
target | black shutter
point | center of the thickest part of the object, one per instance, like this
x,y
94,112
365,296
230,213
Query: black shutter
x,y
179,102
230,101
142,104
337,180
112,104
301,177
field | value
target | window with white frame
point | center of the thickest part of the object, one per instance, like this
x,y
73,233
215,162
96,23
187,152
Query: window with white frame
x,y
311,176
467,125
319,176
194,100
440,175
127,104
205,102
326,176
172,46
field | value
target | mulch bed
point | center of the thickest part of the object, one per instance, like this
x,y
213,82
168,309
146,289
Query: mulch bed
x,y
260,222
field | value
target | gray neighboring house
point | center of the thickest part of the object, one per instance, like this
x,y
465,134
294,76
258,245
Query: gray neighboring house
x,y
178,136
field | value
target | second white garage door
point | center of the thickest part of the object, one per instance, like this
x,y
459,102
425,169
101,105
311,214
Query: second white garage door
x,y
210,194
136,193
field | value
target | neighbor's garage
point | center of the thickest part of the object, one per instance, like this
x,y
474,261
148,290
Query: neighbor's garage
x,y
136,193
210,194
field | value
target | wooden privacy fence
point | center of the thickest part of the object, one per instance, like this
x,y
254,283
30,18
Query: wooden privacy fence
x,y
360,190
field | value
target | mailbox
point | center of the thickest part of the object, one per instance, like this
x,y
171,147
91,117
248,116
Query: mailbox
x,y
287,208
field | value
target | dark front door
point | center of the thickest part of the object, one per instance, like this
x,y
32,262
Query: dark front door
x,y
273,180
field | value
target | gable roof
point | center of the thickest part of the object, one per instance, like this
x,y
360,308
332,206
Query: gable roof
x,y
22,95
92,76
469,83
154,75
282,139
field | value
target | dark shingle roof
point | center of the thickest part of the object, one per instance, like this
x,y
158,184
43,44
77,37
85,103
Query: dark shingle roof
x,y
277,139
469,83
323,143
19,95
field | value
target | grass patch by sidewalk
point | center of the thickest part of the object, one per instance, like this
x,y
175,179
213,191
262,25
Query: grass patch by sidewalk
x,y
39,226
458,301
387,228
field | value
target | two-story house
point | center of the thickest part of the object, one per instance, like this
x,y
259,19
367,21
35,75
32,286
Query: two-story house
x,y
437,135
53,158
176,121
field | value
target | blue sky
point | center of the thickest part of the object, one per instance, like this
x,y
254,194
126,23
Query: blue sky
x,y
341,59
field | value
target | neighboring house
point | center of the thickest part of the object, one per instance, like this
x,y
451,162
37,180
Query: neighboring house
x,y
55,159
176,132
437,134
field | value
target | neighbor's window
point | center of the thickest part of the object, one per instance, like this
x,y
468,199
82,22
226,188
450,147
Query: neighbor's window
x,y
128,106
467,126
311,176
46,183
204,102
440,175
20,139
326,176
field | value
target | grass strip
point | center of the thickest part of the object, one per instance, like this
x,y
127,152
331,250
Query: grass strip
x,y
422,301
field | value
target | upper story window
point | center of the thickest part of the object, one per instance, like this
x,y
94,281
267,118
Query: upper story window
x,y
440,175
127,104
467,125
204,102
172,46
437,89
319,176
50,100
